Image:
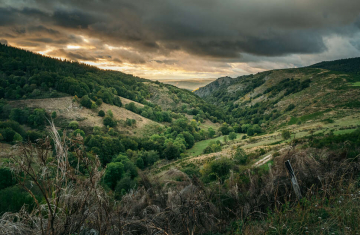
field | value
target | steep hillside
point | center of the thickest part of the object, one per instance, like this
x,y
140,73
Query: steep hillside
x,y
70,110
289,96
25,75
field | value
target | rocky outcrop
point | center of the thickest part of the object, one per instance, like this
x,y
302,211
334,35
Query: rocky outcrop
x,y
206,90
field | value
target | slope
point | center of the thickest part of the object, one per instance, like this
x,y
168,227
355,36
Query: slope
x,y
289,96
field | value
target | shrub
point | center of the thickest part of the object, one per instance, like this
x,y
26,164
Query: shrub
x,y
78,131
110,113
123,186
6,178
108,121
286,134
189,138
240,157
86,101
117,101
217,169
114,172
213,147
13,198
18,137
232,136
101,113
74,125
53,115
171,151
99,102
290,107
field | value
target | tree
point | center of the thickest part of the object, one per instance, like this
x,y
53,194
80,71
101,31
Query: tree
x,y
108,121
19,115
189,138
129,143
6,178
17,137
217,169
101,113
117,101
225,138
250,132
110,113
38,118
8,134
286,134
224,129
132,107
232,136
53,115
114,172
80,132
86,101
171,151
240,156
140,163
211,132
74,125
99,102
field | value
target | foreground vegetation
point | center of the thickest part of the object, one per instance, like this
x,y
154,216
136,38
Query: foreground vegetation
x,y
59,189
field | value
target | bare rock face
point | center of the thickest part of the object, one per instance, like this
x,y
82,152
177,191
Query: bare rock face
x,y
206,90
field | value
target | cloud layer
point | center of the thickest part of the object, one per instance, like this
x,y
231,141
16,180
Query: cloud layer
x,y
179,39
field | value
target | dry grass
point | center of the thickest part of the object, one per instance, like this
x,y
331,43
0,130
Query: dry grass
x,y
66,108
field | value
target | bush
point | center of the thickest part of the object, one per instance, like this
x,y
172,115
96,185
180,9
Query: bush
x,y
171,151
99,102
101,113
140,163
232,136
189,138
114,172
74,125
13,198
117,101
18,137
217,169
123,186
6,178
8,134
33,136
86,101
191,170
211,132
53,115
290,107
224,129
286,134
212,147
108,121
240,157
78,131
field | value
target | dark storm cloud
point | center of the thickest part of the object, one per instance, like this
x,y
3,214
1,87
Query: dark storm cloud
x,y
205,28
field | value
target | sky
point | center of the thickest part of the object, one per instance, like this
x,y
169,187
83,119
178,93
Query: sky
x,y
192,40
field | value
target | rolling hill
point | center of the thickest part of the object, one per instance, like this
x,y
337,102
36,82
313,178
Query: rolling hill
x,y
289,96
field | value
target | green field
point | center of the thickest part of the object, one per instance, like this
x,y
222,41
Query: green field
x,y
199,147
356,84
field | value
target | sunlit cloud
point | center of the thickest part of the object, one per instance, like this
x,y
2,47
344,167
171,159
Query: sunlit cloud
x,y
185,39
